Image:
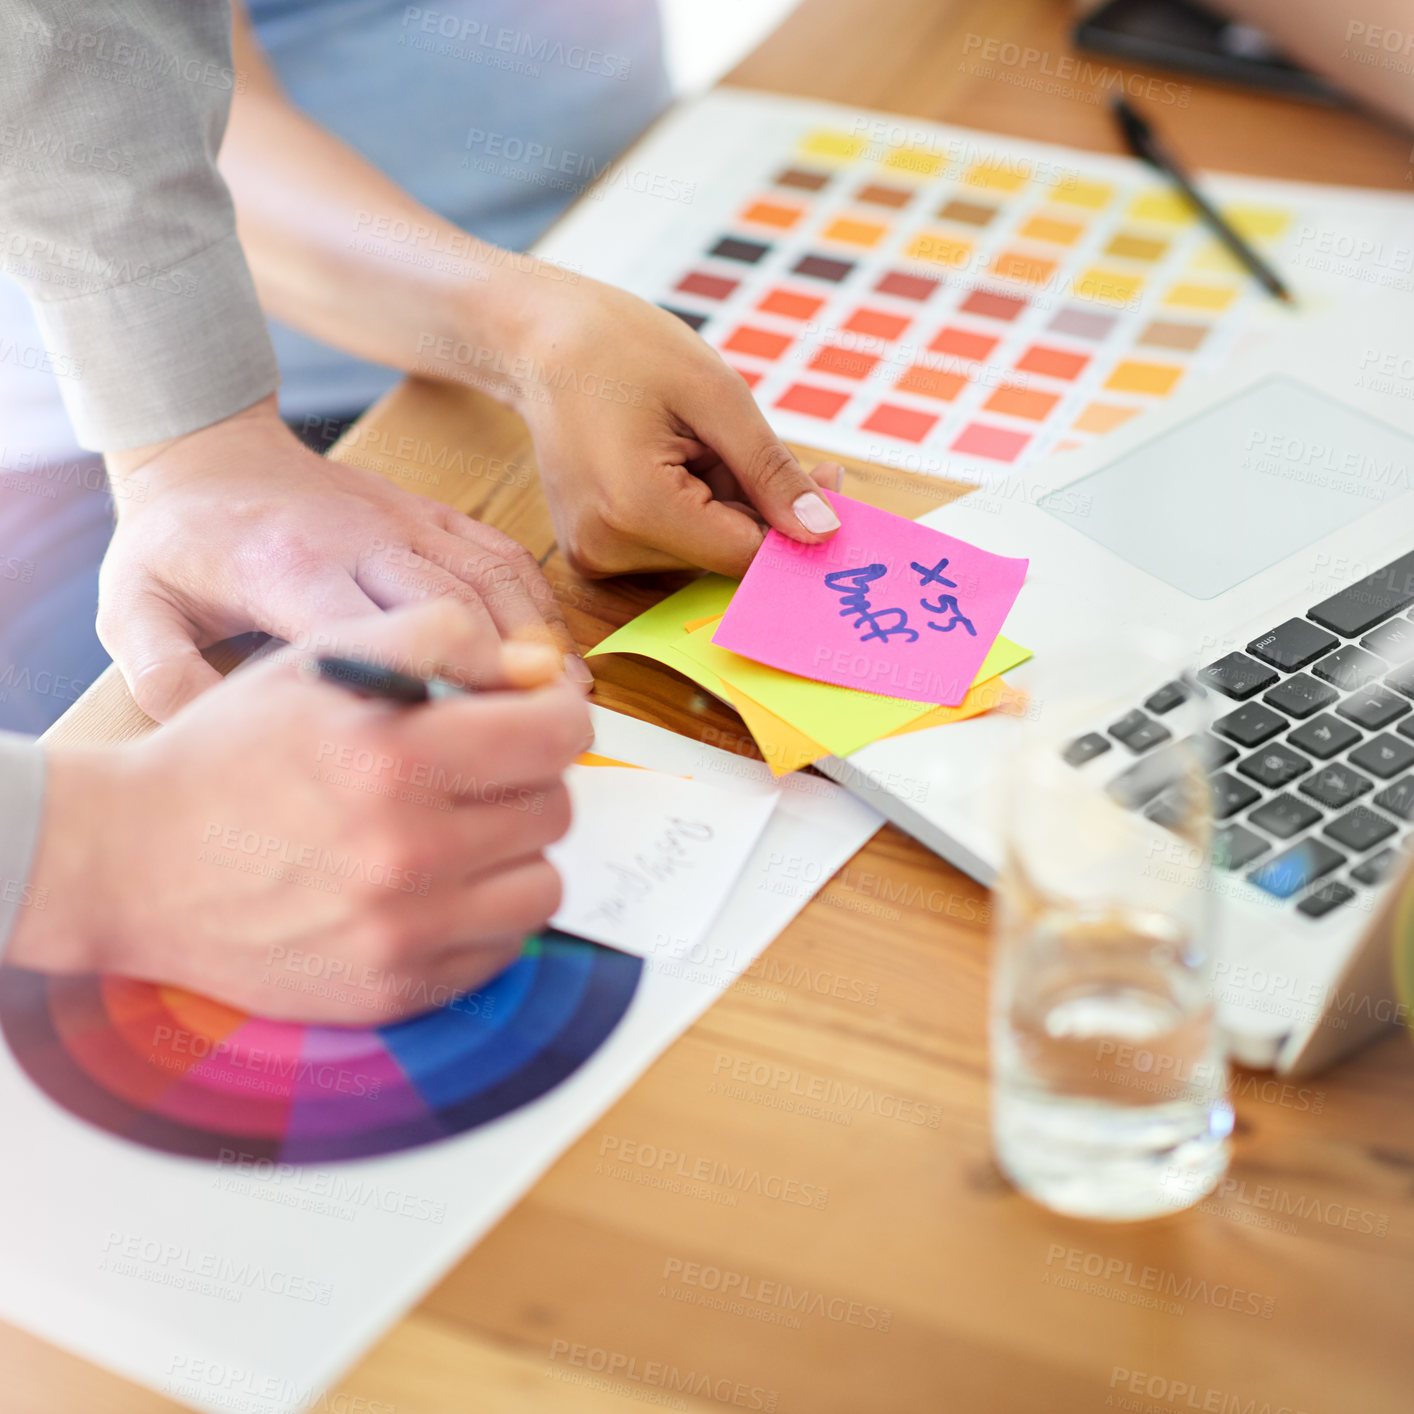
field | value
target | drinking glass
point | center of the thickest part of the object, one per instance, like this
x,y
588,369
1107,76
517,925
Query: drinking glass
x,y
1109,1076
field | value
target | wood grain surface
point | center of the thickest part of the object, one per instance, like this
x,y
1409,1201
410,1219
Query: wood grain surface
x,y
1293,1292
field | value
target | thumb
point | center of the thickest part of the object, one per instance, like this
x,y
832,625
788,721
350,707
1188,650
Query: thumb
x,y
765,467
156,653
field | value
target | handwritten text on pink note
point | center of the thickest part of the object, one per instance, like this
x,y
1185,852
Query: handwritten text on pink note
x,y
885,605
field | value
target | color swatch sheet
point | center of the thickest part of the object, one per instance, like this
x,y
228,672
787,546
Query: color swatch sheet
x,y
943,300
244,1248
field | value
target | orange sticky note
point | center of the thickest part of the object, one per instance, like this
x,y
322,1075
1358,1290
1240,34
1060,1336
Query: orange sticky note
x,y
784,748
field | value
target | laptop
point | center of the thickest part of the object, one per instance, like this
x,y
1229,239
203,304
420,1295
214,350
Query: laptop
x,y
1265,520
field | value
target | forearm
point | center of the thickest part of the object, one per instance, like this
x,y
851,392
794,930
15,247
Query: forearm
x,y
1368,49
119,226
342,253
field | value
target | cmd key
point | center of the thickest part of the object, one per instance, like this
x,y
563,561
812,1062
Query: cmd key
x,y
1293,644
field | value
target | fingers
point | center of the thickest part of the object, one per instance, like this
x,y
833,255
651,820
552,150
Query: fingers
x,y
498,824
506,907
155,649
731,424
509,738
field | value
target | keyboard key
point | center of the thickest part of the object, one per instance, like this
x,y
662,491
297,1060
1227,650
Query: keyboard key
x,y
1171,809
1406,728
1211,752
1237,676
1169,696
1393,641
1301,695
1274,766
1294,644
1375,870
1233,847
1360,606
1402,679
1141,782
1324,736
1139,732
1336,786
1250,725
1290,871
1349,667
1284,816
1085,748
1359,829
1372,707
1398,799
1231,795
1323,900
1383,756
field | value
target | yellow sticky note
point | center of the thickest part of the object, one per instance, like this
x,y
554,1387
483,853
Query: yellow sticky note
x,y
784,748
828,142
656,631
1162,204
841,718
984,697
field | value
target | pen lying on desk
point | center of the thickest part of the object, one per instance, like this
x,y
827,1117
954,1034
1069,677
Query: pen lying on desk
x,y
1144,145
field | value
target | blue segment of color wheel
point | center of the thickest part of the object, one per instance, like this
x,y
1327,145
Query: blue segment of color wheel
x,y
186,1075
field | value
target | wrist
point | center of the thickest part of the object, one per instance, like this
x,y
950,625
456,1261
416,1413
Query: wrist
x,y
154,464
75,909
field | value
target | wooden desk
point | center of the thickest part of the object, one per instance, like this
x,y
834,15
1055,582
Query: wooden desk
x,y
994,1305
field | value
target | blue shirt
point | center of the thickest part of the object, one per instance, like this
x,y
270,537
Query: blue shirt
x,y
493,113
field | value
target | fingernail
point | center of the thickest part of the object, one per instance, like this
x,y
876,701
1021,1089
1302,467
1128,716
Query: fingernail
x,y
577,670
839,478
815,513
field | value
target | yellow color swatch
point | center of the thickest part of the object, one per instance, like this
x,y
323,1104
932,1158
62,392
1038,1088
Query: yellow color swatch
x,y
940,249
1019,265
1134,376
830,142
1047,228
1102,417
995,177
1163,204
917,160
1108,286
1091,195
1201,296
1215,258
863,233
1129,246
1257,223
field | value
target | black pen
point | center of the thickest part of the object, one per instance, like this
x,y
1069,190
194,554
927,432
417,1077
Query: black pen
x,y
369,680
1143,144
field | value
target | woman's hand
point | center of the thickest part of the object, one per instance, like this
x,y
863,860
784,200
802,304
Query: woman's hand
x,y
652,452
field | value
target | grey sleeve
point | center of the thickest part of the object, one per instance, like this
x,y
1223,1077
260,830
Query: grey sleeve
x,y
21,801
115,220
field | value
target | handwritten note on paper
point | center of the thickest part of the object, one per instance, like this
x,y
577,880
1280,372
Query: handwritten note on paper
x,y
885,605
650,859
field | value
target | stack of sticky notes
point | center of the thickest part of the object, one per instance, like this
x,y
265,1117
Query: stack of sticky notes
x,y
887,627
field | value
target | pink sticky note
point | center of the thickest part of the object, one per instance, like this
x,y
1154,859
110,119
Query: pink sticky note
x,y
885,605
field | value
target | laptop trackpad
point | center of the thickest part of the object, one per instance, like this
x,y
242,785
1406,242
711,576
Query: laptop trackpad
x,y
1238,488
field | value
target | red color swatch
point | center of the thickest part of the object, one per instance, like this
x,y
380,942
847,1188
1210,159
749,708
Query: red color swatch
x,y
993,306
915,287
761,342
846,363
708,286
877,324
813,402
790,305
963,343
904,423
998,444
1053,363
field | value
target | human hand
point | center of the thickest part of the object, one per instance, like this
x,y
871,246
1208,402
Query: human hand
x,y
397,850
241,527
653,454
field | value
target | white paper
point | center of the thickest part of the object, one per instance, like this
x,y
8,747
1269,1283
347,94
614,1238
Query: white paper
x,y
650,858
315,1262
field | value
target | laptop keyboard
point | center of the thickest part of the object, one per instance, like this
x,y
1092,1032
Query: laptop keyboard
x,y
1312,767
